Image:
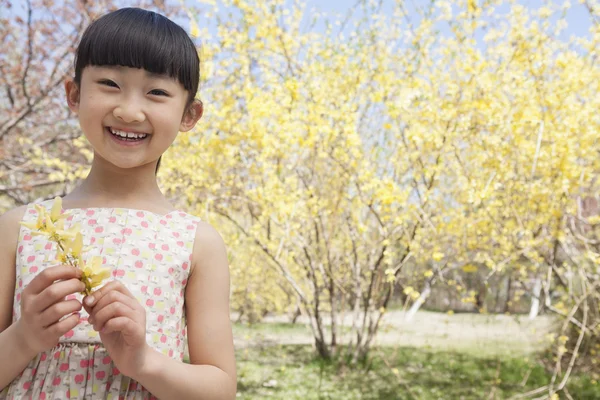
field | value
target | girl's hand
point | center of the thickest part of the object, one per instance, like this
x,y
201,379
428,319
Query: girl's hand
x,y
121,321
43,305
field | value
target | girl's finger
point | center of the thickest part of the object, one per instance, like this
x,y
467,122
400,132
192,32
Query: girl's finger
x,y
57,292
58,310
119,324
61,327
50,275
113,310
114,297
87,308
93,299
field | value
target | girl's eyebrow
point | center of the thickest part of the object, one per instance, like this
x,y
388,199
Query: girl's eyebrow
x,y
157,75
149,74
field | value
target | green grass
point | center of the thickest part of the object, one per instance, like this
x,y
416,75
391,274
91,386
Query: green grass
x,y
280,328
293,372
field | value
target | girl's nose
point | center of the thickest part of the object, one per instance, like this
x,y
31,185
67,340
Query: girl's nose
x,y
129,113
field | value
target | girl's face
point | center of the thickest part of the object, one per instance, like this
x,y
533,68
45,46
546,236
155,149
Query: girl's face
x,y
113,100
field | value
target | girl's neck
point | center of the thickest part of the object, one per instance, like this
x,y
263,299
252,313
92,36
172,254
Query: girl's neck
x,y
109,186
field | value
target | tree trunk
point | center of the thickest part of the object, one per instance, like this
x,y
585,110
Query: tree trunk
x,y
417,304
535,299
506,303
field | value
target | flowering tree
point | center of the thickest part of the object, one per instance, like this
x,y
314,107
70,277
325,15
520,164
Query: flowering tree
x,y
386,151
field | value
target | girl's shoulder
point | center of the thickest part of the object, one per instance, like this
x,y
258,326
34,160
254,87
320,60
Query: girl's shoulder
x,y
9,237
208,242
10,223
10,230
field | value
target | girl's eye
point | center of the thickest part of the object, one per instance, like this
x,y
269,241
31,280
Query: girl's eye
x,y
108,82
158,92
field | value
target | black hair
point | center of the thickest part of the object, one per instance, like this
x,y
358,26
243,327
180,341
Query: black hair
x,y
137,38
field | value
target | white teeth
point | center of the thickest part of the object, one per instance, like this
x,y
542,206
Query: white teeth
x,y
128,134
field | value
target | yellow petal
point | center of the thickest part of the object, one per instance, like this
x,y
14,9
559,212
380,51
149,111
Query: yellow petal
x,y
40,221
68,234
61,257
77,245
87,271
194,30
41,210
99,277
30,225
56,208
95,263
50,225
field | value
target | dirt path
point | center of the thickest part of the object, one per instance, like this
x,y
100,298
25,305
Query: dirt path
x,y
481,334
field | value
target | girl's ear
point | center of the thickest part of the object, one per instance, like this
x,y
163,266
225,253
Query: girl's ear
x,y
72,91
192,115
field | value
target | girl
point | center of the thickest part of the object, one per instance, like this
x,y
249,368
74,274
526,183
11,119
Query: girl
x,y
136,76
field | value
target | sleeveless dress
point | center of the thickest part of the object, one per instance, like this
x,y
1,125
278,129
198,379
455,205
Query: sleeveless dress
x,y
151,255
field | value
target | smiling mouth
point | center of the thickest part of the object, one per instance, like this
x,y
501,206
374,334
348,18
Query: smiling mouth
x,y
127,136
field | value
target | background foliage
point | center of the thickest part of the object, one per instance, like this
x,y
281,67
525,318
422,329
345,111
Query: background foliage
x,y
384,158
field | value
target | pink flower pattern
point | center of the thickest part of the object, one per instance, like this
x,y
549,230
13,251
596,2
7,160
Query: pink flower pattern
x,y
151,255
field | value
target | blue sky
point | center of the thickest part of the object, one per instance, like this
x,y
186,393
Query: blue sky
x,y
578,18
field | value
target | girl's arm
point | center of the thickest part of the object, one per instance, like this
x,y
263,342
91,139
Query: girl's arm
x,y
212,371
13,359
42,305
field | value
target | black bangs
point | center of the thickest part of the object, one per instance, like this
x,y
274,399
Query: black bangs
x,y
132,37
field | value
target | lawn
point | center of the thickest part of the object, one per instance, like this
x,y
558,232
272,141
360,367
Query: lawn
x,y
292,372
436,357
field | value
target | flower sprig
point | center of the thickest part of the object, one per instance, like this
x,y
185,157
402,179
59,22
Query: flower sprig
x,y
69,243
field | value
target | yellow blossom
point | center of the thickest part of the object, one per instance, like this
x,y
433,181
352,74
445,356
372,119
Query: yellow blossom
x,y
390,275
437,256
51,224
469,268
69,242
93,273
194,30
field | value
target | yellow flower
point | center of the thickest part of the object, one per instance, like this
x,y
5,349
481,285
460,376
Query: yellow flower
x,y
70,244
93,273
469,268
70,249
390,275
62,257
39,224
76,245
55,212
563,339
194,30
51,224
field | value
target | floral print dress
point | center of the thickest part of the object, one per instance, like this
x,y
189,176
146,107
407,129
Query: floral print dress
x,y
151,255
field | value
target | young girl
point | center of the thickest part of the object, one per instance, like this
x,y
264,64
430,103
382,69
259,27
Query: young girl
x,y
136,76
